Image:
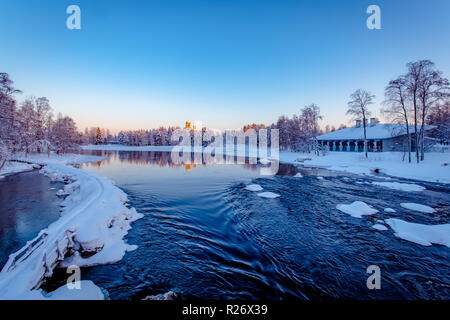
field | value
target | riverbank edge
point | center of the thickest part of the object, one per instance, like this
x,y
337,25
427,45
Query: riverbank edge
x,y
435,168
94,209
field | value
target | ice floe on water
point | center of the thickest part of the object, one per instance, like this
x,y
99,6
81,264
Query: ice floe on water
x,y
417,207
269,195
320,178
357,209
399,186
421,234
298,175
380,227
253,187
389,210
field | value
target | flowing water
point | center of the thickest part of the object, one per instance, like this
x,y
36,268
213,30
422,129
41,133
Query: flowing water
x,y
28,204
205,237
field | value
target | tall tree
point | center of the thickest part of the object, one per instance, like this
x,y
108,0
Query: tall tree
x,y
396,99
358,108
432,89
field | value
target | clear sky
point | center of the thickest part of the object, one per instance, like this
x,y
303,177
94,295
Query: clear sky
x,y
142,64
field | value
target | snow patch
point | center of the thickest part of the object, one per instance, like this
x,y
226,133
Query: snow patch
x,y
269,195
417,207
253,187
421,234
356,209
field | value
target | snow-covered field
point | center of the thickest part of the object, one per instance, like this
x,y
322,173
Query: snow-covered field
x,y
94,211
435,168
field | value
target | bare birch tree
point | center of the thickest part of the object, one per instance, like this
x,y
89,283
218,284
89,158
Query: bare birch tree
x,y
358,108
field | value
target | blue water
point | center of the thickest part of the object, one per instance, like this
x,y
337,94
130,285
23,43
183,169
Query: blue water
x,y
28,204
205,237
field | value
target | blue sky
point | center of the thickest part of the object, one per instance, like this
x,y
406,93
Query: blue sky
x,y
142,64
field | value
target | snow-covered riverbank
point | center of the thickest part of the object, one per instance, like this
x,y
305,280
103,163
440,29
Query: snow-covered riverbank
x,y
435,168
94,211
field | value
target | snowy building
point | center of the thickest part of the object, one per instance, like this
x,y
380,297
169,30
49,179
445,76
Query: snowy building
x,y
380,137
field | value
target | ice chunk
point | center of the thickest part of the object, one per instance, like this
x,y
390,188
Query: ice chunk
x,y
400,186
269,195
320,178
356,209
421,234
253,187
417,207
298,175
390,210
379,227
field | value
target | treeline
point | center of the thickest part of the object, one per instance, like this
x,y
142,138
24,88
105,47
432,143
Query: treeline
x,y
31,126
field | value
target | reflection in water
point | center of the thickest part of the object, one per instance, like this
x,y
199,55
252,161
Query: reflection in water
x,y
204,236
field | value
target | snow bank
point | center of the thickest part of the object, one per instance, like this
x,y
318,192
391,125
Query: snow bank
x,y
269,195
417,207
94,212
117,147
400,186
253,187
356,209
390,163
88,291
421,234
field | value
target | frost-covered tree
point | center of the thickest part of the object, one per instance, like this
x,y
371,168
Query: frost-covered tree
x,y
9,128
358,108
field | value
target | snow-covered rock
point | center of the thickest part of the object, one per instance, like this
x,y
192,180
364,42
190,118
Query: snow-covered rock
x,y
356,209
269,195
417,207
400,186
253,187
421,234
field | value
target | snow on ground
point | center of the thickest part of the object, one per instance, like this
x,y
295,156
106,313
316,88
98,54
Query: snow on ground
x,y
87,291
389,210
399,186
117,147
30,162
253,187
390,163
94,210
421,234
417,207
379,227
356,209
269,195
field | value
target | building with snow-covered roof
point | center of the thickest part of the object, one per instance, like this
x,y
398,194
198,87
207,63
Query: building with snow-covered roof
x,y
380,137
